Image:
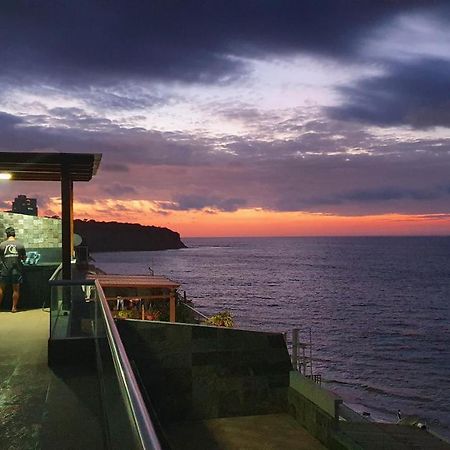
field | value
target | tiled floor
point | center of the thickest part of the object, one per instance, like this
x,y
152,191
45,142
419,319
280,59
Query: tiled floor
x,y
39,408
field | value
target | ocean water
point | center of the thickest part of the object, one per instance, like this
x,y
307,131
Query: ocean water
x,y
377,307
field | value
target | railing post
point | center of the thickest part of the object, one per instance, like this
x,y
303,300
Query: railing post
x,y
294,356
310,353
172,306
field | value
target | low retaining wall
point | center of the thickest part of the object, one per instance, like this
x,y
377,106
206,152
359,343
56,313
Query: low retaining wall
x,y
315,408
198,372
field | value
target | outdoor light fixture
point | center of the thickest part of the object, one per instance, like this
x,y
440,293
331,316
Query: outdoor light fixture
x,y
5,176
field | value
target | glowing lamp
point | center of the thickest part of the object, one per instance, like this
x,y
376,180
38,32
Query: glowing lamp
x,y
5,176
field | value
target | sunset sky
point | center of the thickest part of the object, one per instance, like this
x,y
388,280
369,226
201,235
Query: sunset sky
x,y
236,118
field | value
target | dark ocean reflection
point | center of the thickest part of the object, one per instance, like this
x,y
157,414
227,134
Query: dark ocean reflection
x,y
378,307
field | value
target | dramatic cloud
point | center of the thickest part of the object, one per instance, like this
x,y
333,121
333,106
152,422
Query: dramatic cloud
x,y
410,93
95,42
119,190
188,202
327,107
112,167
382,196
330,167
79,132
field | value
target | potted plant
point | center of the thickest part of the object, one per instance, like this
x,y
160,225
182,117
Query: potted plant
x,y
222,319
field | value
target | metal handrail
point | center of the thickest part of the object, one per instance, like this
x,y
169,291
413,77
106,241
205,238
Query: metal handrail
x,y
146,432
56,273
52,279
196,311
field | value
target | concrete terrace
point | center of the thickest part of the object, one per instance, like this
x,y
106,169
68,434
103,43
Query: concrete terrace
x,y
45,408
266,432
41,408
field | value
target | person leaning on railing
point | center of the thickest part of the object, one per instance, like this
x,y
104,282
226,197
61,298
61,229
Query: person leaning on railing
x,y
12,255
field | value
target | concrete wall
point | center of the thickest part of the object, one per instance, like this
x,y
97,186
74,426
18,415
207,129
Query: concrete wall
x,y
315,408
34,232
326,400
198,372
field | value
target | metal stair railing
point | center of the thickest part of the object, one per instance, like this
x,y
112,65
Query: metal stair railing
x,y
146,435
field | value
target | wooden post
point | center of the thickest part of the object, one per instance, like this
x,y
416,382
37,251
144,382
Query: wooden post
x,y
304,362
172,304
66,222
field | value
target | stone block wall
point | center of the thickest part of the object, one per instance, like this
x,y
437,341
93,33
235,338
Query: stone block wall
x,y
34,232
194,372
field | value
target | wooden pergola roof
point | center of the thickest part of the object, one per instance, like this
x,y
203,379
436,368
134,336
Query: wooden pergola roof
x,y
49,166
135,281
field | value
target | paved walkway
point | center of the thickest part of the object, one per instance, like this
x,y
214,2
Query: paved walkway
x,y
39,408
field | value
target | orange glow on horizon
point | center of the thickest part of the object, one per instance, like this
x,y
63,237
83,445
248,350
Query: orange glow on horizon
x,y
257,222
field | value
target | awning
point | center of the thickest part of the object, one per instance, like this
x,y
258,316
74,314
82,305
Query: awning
x,y
49,166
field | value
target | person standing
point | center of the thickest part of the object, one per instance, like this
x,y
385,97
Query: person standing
x,y
12,255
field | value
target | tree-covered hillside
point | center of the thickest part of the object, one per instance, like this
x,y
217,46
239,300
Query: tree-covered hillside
x,y
116,236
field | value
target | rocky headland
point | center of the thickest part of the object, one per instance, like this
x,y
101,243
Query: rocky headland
x,y
117,236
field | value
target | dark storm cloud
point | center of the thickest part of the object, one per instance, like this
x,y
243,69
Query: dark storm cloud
x,y
392,193
364,184
111,167
8,121
415,93
436,217
119,190
86,200
198,202
96,42
384,194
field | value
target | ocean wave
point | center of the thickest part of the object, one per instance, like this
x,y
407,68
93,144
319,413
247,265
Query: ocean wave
x,y
385,391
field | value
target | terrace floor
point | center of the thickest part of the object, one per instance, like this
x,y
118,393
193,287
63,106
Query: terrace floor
x,y
266,432
42,408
